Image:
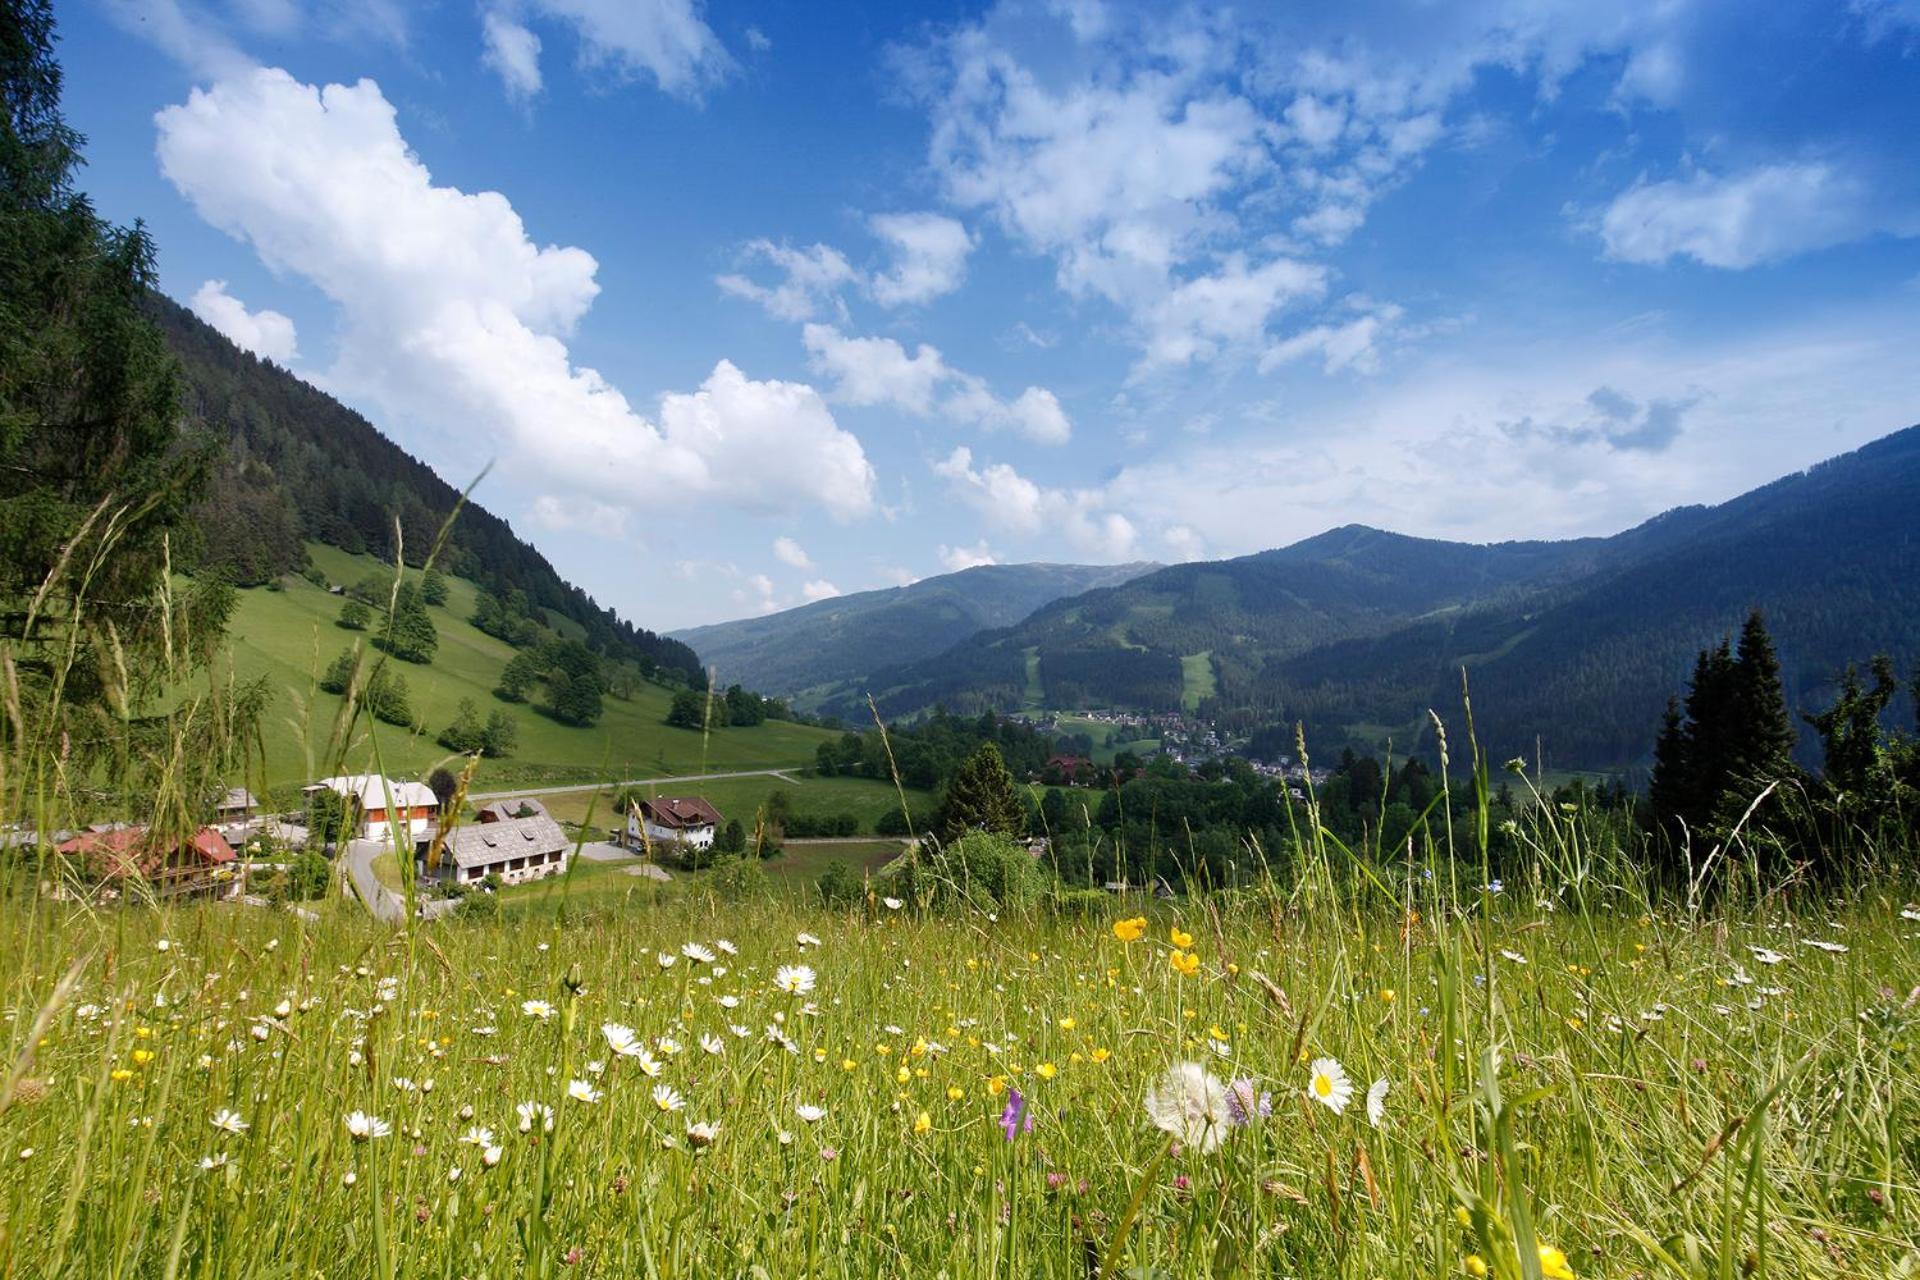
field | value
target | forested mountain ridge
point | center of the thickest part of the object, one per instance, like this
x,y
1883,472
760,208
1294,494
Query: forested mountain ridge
x,y
1137,645
806,651
300,465
1571,647
1831,556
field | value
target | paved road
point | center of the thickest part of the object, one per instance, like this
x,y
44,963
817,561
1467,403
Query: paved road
x,y
383,902
785,775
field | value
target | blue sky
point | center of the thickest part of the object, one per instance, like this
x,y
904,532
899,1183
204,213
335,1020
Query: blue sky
x,y
753,304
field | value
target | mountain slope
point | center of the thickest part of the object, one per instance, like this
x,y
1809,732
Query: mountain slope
x,y
300,465
1830,555
834,641
1125,645
1572,647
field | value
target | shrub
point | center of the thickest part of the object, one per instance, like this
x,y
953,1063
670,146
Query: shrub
x,y
354,615
837,885
989,870
307,876
740,880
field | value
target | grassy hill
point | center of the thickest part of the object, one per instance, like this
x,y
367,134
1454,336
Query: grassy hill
x,y
289,636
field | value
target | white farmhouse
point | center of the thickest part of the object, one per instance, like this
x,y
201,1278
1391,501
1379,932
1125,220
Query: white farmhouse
x,y
381,806
683,820
516,849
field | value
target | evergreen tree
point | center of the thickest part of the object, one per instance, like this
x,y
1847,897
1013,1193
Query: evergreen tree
x,y
981,797
94,476
1850,730
433,587
1670,790
1733,741
409,634
386,696
1762,736
339,673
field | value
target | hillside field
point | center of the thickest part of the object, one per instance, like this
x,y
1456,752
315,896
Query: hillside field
x,y
290,635
808,797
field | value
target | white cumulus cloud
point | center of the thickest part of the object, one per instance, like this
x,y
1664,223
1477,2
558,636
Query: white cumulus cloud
x,y
929,253
512,52
810,279
818,589
879,371
267,334
666,41
1743,220
791,553
453,317
1015,505
954,559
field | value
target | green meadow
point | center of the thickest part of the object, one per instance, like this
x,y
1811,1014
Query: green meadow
x,y
288,636
1346,1071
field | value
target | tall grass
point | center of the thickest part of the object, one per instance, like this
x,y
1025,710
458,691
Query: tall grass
x,y
1586,1073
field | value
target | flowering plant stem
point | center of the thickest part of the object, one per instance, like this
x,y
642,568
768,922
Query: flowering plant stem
x,y
1125,1225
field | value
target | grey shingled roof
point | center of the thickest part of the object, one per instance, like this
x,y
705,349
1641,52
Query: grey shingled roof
x,y
478,844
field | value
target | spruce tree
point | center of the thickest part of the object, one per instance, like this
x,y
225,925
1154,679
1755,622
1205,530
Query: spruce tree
x,y
1761,736
981,797
95,475
1669,790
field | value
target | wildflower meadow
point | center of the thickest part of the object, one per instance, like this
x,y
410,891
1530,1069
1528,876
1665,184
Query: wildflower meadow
x,y
1335,1073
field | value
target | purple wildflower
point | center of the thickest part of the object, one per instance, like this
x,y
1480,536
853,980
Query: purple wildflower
x,y
1245,1103
1015,1119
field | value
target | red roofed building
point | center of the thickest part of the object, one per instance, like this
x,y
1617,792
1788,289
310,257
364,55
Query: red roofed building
x,y
111,860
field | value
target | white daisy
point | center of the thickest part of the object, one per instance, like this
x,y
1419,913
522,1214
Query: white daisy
x,y
810,1113
229,1121
536,1009
478,1137
363,1127
728,1002
665,959
697,953
726,946
1329,1085
702,1134
491,1156
209,1163
1767,955
794,979
893,904
806,940
1190,1103
530,1112
667,1098
1377,1103
1832,948
622,1040
581,1091
713,1044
